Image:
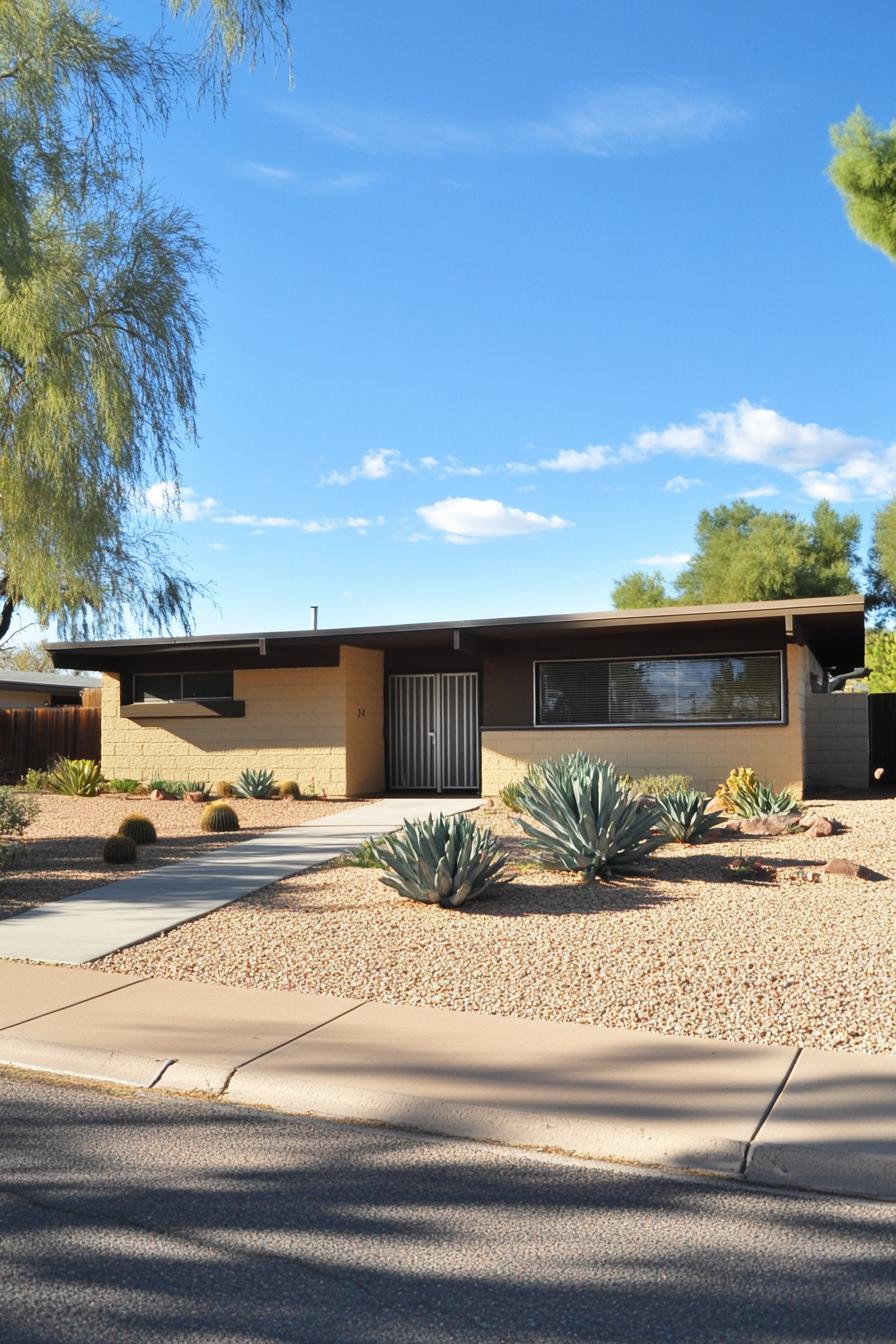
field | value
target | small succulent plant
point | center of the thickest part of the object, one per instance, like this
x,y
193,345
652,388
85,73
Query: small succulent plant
x,y
222,788
579,816
683,816
219,817
139,828
288,788
119,849
255,784
75,778
443,860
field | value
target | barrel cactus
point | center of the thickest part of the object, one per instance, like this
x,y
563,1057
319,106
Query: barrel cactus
x,y
255,784
119,849
219,817
682,816
443,860
579,816
139,828
288,788
222,788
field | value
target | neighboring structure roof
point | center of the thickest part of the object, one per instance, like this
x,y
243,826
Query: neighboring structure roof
x,y
833,625
54,683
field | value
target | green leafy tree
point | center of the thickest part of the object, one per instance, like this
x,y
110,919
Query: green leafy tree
x,y
99,310
863,170
880,569
31,657
744,554
880,657
640,589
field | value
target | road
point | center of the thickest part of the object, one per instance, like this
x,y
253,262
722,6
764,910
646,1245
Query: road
x,y
139,1217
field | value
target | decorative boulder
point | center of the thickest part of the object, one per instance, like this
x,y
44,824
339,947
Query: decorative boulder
x,y
844,868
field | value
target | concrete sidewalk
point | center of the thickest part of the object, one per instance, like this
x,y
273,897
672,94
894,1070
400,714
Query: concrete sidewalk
x,y
807,1119
93,923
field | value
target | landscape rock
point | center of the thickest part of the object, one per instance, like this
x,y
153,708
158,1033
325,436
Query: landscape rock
x,y
821,826
194,796
844,868
158,794
776,825
715,805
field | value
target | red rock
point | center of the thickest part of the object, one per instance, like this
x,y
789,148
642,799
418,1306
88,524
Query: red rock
x,y
158,794
843,868
776,825
821,826
194,796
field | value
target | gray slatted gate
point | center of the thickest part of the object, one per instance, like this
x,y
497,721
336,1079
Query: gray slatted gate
x,y
434,731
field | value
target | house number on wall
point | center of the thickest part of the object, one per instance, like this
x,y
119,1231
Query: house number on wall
x,y
362,713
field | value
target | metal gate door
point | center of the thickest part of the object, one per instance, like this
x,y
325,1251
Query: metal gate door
x,y
433,730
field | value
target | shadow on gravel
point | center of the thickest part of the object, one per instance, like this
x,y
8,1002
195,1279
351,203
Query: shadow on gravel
x,y
143,1218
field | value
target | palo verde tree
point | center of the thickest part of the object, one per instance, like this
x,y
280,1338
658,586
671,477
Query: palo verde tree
x,y
99,310
745,554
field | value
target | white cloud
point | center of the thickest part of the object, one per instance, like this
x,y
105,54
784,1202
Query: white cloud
x,y
620,120
677,485
825,485
264,522
181,503
339,184
374,466
758,492
635,118
592,458
674,561
429,462
264,172
463,520
217,546
521,468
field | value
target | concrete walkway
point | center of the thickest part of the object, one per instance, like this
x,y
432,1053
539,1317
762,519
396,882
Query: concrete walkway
x,y
94,923
773,1115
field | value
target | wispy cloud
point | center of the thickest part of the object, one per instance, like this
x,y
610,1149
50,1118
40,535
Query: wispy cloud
x,y
674,561
623,119
376,465
572,460
677,485
638,118
178,502
337,184
758,492
462,520
264,522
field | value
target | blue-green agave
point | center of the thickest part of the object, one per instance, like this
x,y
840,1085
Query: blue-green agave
x,y
443,860
682,815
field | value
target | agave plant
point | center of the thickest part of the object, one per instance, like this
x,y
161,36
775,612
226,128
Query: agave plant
x,y
443,860
255,784
584,819
76,778
682,815
760,800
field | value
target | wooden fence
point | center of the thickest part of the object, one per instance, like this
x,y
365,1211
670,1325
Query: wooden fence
x,y
31,738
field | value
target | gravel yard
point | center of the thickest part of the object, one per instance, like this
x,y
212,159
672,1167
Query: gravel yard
x,y
61,850
679,950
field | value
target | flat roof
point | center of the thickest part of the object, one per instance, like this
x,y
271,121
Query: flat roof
x,y
47,681
820,613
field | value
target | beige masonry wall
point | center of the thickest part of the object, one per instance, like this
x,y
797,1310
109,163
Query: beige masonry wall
x,y
302,723
706,754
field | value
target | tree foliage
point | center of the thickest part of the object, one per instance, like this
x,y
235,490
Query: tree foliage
x,y
32,657
640,589
863,170
99,311
745,554
880,657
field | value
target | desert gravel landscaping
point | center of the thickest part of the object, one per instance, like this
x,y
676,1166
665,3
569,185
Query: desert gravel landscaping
x,y
680,950
60,853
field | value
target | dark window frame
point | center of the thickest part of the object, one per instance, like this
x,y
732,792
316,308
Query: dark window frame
x,y
669,723
182,699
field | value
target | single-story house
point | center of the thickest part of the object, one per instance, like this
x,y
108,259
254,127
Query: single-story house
x,y
468,705
31,690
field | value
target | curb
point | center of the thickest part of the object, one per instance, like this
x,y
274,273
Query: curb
x,y
823,1169
82,1061
598,1139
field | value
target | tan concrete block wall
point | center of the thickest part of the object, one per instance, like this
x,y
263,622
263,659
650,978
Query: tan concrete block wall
x,y
24,699
365,766
294,725
706,754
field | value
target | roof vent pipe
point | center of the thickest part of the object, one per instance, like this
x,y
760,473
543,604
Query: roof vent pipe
x,y
314,618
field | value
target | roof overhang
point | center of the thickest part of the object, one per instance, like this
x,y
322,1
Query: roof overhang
x,y
832,626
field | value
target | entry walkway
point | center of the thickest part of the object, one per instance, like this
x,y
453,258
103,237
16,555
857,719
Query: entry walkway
x,y
94,923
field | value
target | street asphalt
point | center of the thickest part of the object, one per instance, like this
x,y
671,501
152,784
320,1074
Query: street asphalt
x,y
139,1217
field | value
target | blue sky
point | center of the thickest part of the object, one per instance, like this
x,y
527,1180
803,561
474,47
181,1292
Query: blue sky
x,y
509,291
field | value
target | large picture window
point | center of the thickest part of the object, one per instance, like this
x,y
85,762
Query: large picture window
x,y
167,687
724,688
